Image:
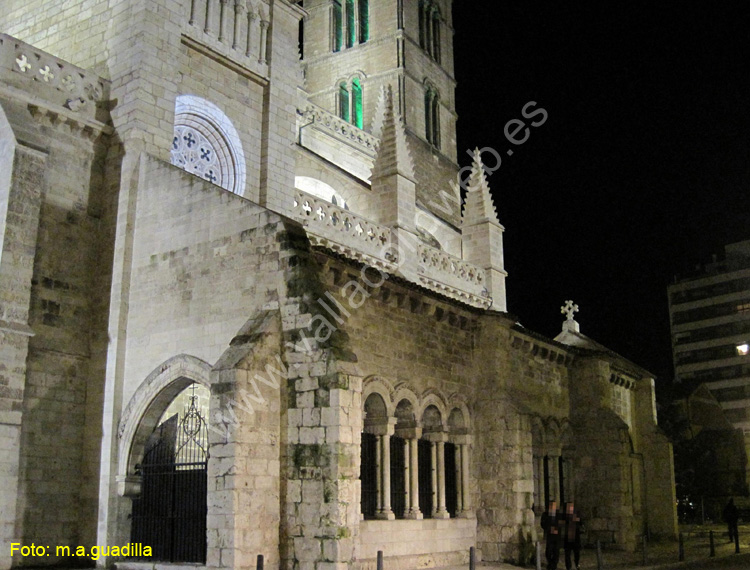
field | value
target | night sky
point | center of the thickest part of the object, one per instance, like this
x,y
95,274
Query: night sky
x,y
642,169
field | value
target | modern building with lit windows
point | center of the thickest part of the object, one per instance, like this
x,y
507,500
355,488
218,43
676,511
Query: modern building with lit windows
x,y
710,320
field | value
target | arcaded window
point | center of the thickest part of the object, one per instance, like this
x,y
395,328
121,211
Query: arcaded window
x,y
350,102
432,116
206,144
429,28
350,23
337,25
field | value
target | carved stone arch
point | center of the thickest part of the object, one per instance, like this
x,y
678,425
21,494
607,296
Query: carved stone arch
x,y
433,398
566,434
315,184
456,403
430,87
379,385
150,400
404,392
538,432
552,435
206,143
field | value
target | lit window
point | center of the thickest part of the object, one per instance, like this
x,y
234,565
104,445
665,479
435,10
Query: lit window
x,y
344,102
743,349
429,28
357,103
364,21
432,116
338,25
350,102
350,23
351,31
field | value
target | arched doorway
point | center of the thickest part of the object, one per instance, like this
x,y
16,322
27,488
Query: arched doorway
x,y
169,515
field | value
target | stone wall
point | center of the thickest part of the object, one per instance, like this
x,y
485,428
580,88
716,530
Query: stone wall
x,y
76,31
51,233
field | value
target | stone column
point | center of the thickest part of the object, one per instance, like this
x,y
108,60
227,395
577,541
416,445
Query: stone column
x,y
465,496
250,23
407,478
411,443
379,474
554,482
209,17
263,43
222,19
385,512
239,9
441,512
433,468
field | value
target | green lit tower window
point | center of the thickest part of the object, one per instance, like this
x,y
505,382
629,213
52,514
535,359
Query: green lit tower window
x,y
351,30
357,103
338,22
344,102
364,21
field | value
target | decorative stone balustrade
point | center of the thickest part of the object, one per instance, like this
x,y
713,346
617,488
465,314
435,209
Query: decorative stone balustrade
x,y
342,231
452,276
340,129
48,78
236,29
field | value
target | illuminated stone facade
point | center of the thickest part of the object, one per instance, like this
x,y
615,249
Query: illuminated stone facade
x,y
368,388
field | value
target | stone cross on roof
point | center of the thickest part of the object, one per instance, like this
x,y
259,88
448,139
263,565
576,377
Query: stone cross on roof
x,y
569,309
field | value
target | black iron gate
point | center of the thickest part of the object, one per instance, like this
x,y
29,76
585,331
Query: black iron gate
x,y
170,513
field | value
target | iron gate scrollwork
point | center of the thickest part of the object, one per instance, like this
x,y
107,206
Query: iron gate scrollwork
x,y
170,513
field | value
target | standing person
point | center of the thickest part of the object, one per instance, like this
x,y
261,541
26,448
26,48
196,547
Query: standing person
x,y
551,526
731,516
572,539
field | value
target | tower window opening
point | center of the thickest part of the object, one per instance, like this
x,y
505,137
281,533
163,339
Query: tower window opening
x,y
432,116
364,21
337,19
357,103
350,23
351,31
350,102
429,28
344,104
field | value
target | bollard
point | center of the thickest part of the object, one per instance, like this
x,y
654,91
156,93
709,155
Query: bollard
x,y
711,548
643,547
681,552
259,563
380,560
736,540
472,558
538,555
598,555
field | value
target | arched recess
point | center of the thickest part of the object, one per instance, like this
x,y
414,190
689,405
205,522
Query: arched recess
x,y
205,143
432,398
378,385
149,402
321,190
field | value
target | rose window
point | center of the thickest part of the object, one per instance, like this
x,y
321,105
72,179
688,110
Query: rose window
x,y
193,152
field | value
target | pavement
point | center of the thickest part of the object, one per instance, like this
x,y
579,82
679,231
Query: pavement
x,y
663,555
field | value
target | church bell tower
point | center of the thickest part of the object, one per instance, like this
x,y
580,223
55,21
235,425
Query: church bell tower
x,y
352,49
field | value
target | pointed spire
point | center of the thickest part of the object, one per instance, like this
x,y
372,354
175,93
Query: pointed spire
x,y
393,154
379,117
479,206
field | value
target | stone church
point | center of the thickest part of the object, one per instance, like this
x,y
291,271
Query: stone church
x,y
245,310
